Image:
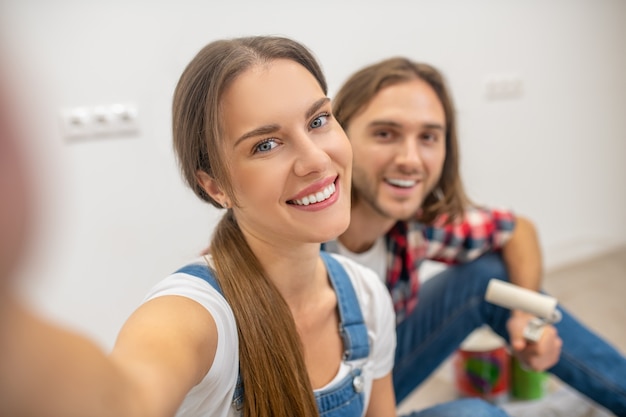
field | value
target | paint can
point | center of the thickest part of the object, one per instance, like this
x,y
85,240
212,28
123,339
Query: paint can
x,y
482,367
527,384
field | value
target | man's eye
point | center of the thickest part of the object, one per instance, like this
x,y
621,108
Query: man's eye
x,y
383,134
319,121
429,137
265,146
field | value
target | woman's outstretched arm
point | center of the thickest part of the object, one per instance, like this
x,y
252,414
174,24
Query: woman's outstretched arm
x,y
163,350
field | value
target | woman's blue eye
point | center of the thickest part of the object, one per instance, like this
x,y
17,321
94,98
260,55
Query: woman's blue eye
x,y
266,145
319,121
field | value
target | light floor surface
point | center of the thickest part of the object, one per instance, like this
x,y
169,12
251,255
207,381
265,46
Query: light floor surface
x,y
594,292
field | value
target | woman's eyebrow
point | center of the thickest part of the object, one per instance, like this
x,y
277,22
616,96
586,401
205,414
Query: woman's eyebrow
x,y
259,131
316,106
271,128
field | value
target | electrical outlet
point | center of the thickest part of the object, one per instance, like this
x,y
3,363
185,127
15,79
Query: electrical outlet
x,y
503,86
125,118
76,123
100,121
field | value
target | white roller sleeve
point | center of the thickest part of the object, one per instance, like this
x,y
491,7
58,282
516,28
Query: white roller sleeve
x,y
512,296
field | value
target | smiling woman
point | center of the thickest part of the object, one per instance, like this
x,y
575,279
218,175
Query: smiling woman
x,y
263,325
284,169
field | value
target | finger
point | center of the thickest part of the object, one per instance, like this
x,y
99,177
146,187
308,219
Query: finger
x,y
518,343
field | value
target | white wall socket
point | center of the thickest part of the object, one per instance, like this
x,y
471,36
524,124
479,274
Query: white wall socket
x,y
503,86
100,121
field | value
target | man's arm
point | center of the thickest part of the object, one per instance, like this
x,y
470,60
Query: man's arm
x,y
522,256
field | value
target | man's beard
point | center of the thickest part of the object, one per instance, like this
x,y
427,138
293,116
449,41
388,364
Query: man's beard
x,y
368,196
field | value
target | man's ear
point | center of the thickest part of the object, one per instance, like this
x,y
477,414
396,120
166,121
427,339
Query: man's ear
x,y
212,188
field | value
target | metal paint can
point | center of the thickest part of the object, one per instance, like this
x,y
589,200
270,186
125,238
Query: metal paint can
x,y
527,384
482,367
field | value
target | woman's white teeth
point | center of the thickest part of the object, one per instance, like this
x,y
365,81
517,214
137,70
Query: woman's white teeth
x,y
401,183
316,197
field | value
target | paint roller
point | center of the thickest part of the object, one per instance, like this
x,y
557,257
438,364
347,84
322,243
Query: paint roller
x,y
515,297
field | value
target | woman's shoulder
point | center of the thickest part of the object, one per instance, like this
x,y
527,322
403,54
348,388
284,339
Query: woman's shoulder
x,y
213,394
194,280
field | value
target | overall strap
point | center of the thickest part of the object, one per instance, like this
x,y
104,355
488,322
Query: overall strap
x,y
352,326
204,272
201,271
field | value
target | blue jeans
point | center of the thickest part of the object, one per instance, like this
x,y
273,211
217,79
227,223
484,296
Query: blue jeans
x,y
467,407
451,305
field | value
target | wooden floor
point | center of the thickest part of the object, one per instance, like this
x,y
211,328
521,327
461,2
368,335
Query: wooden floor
x,y
595,292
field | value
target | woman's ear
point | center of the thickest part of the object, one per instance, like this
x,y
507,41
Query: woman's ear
x,y
212,188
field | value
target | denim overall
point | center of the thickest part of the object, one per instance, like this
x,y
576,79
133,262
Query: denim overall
x,y
345,398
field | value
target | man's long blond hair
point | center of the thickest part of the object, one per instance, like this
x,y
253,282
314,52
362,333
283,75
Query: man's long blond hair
x,y
357,92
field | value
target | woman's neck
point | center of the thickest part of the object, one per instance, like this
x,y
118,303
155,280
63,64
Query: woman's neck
x,y
297,271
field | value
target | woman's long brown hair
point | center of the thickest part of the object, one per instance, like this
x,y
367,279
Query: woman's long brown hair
x,y
274,375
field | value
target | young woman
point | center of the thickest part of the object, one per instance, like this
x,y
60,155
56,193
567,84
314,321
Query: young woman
x,y
254,134
264,325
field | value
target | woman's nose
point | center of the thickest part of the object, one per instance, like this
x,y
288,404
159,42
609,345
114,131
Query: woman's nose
x,y
310,156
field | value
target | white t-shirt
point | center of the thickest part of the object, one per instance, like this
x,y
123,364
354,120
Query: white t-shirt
x,y
374,258
213,395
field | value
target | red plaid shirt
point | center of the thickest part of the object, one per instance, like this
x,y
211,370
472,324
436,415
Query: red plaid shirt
x,y
408,243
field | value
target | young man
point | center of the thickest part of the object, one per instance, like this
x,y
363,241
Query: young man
x,y
409,205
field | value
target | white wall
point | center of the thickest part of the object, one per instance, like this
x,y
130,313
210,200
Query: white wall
x,y
118,218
